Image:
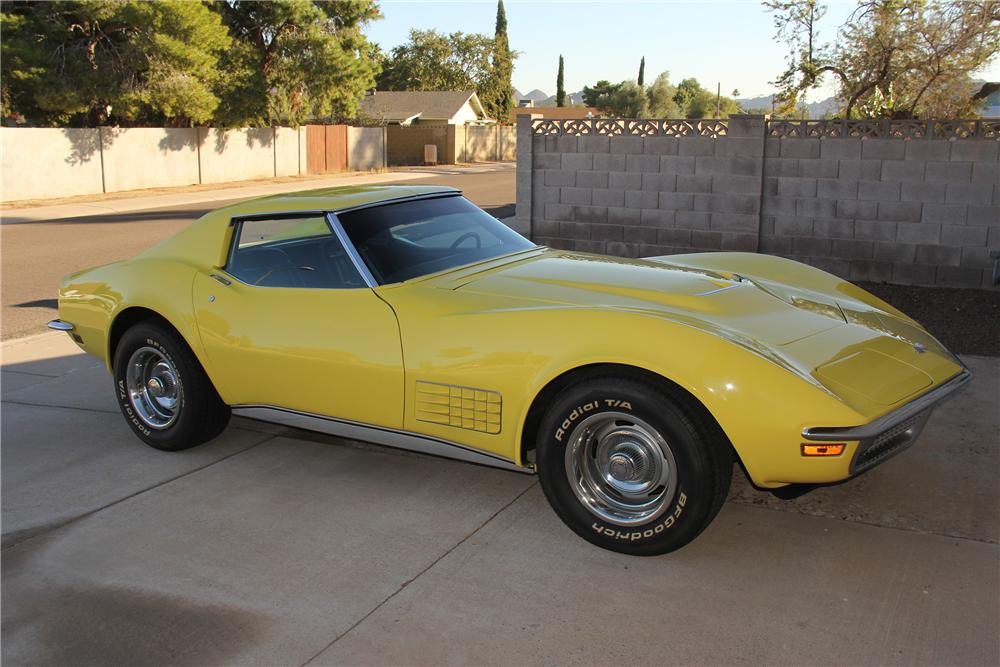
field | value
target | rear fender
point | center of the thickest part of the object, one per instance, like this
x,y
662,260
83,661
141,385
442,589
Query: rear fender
x,y
92,300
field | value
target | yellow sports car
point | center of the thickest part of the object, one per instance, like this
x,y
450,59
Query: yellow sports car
x,y
409,317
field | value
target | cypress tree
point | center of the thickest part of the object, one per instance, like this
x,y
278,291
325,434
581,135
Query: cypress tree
x,y
560,89
502,93
642,71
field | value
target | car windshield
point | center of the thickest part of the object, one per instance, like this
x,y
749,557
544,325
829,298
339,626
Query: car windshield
x,y
414,238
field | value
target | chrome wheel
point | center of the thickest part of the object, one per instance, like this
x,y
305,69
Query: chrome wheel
x,y
620,468
154,387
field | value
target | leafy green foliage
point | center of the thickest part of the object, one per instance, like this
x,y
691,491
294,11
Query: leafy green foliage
x,y
431,60
85,63
696,102
598,95
642,72
179,62
660,96
660,100
560,86
295,60
892,58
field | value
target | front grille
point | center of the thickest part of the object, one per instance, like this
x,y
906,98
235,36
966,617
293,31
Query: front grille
x,y
877,449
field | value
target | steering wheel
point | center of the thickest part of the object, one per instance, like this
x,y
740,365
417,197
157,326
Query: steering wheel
x,y
468,235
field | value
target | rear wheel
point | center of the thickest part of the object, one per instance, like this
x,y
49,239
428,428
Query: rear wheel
x,y
163,392
629,467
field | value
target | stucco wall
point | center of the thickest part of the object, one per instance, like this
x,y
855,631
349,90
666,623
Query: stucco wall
x,y
43,162
236,155
144,157
365,148
286,151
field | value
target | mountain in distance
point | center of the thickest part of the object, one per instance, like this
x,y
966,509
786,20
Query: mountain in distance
x,y
543,99
535,95
816,109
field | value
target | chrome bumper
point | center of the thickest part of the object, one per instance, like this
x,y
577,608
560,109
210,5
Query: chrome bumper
x,y
893,432
59,325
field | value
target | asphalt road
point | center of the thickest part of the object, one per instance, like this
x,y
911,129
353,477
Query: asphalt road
x,y
37,254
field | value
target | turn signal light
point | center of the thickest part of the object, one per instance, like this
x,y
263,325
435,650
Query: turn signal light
x,y
822,450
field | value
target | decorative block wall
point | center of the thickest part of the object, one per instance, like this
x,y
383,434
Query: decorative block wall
x,y
903,201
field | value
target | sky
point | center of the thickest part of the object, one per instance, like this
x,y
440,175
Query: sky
x,y
731,43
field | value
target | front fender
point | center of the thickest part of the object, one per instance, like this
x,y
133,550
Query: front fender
x,y
761,404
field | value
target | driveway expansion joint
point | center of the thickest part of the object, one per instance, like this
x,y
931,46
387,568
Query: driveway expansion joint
x,y
18,538
412,579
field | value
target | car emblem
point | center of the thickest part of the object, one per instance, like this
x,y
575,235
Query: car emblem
x,y
919,348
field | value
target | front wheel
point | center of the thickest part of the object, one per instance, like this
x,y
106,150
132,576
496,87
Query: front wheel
x,y
630,468
163,392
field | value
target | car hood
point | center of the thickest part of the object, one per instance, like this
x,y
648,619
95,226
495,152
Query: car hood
x,y
812,322
724,299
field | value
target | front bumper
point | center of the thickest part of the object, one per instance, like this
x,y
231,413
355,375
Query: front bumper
x,y
891,433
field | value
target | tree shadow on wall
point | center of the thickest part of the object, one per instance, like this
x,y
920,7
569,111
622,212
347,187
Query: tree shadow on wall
x,y
85,143
179,139
262,137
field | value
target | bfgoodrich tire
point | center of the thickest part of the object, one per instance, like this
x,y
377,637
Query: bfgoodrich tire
x,y
631,468
163,392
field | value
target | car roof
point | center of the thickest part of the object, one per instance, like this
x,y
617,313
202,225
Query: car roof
x,y
330,199
203,242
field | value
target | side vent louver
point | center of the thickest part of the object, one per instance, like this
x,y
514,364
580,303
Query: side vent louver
x,y
461,407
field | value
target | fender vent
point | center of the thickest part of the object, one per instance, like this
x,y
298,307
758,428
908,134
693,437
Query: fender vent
x,y
461,407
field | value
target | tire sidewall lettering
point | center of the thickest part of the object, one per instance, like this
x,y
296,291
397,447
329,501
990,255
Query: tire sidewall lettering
x,y
611,403
646,531
654,530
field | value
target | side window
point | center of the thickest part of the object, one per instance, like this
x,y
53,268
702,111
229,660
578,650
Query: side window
x,y
291,252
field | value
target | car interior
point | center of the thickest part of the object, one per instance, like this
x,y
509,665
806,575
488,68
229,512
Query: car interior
x,y
317,262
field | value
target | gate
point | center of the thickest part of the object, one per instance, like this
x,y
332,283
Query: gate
x,y
326,148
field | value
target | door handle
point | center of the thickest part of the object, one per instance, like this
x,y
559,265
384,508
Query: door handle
x,y
221,279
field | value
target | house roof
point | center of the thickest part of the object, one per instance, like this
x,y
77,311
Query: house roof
x,y
397,106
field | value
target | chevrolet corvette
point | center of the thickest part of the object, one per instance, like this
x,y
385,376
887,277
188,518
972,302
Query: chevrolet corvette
x,y
408,317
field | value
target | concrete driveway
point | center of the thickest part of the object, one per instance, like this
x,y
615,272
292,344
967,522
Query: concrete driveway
x,y
274,546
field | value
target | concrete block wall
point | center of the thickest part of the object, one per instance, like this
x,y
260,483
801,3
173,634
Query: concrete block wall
x,y
641,196
913,211
405,145
922,212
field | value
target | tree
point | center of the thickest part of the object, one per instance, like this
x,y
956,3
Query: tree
x,y
696,102
97,62
296,60
434,61
795,23
642,71
660,98
498,96
560,88
598,95
892,58
629,101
